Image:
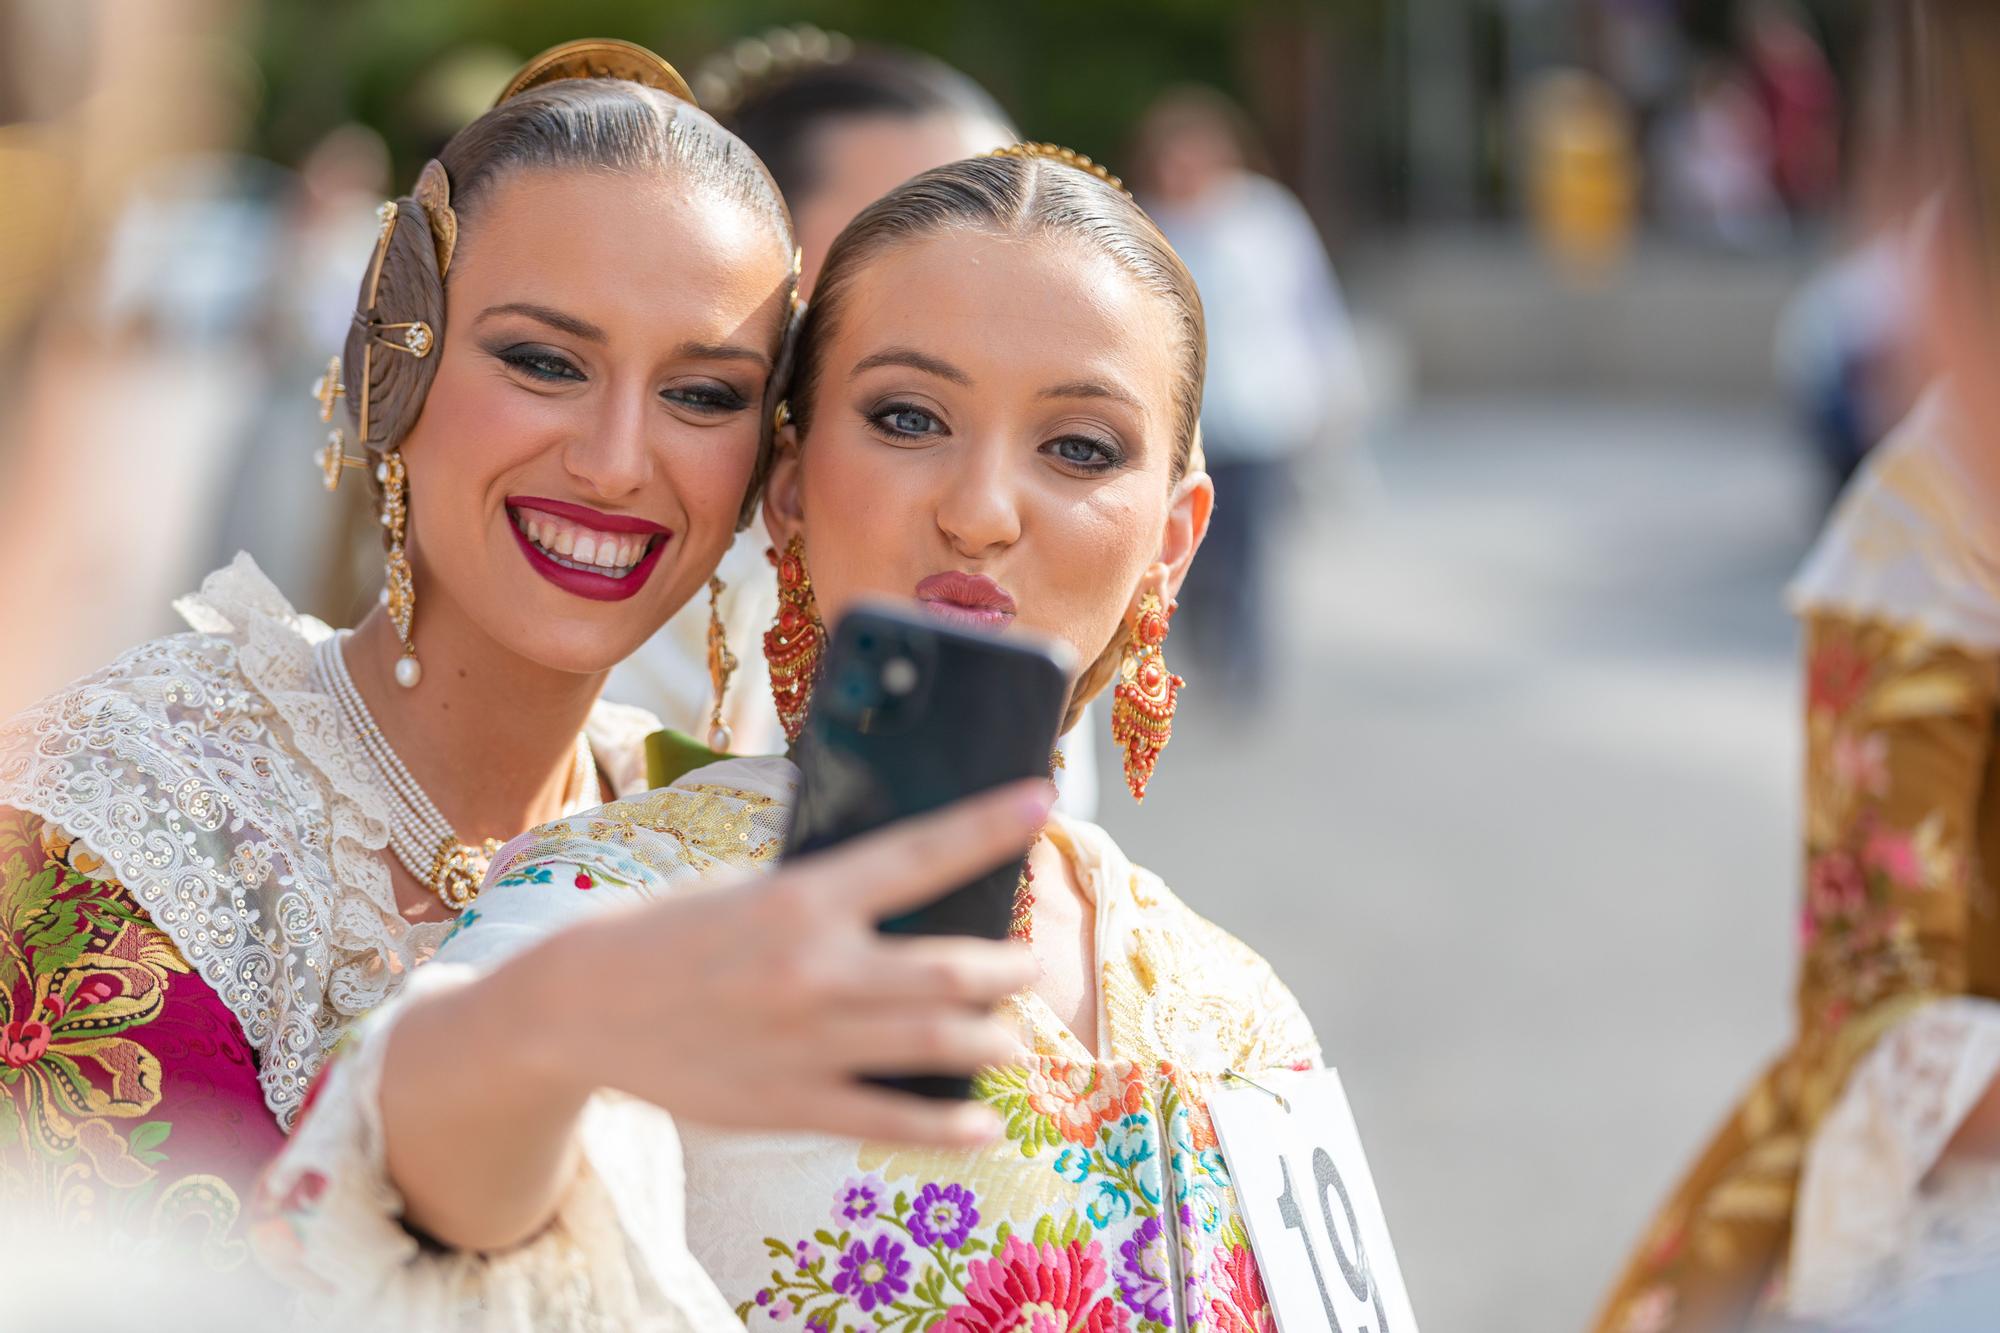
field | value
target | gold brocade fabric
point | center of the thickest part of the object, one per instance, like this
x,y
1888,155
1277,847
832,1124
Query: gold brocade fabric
x,y
1902,819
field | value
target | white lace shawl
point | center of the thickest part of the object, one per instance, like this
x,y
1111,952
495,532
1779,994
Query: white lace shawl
x,y
211,773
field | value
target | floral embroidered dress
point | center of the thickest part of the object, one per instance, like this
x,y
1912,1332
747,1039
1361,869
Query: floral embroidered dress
x,y
194,905
1106,1207
1825,1195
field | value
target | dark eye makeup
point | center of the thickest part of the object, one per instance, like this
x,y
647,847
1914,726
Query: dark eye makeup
x,y
545,364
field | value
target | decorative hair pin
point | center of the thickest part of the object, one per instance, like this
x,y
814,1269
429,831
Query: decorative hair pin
x,y
1068,157
599,58
332,457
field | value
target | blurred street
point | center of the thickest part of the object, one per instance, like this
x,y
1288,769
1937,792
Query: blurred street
x,y
1518,825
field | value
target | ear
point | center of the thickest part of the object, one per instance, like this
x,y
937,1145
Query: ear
x,y
784,497
1187,525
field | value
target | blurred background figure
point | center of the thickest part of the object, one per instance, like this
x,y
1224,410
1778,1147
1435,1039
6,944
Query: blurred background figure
x,y
1801,102
1284,372
1583,176
1862,1169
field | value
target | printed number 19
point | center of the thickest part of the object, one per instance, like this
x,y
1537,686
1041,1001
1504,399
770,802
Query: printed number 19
x,y
1361,1282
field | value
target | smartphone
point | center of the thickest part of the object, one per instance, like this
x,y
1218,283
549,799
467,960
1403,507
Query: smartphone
x,y
911,715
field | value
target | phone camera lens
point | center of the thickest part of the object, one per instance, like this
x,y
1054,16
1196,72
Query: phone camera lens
x,y
899,675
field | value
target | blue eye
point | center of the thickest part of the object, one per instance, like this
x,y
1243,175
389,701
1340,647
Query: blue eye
x,y
1085,454
906,421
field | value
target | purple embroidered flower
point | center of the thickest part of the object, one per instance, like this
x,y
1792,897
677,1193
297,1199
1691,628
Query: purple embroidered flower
x,y
1142,1273
943,1215
858,1200
806,1254
873,1275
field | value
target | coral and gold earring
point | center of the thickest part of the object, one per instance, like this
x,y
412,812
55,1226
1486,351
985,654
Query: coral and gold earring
x,y
793,644
400,591
1142,707
721,666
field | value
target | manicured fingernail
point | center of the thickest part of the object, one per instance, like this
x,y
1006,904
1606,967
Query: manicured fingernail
x,y
1036,802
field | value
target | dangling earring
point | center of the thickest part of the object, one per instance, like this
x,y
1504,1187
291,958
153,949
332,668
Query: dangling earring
x,y
793,645
721,666
1142,707
400,591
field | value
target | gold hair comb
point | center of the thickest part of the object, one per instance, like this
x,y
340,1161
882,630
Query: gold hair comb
x,y
1068,157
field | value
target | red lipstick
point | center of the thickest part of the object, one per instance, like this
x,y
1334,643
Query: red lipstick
x,y
972,601
583,582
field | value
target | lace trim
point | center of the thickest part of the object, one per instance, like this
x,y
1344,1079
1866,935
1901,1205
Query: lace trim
x,y
210,771
1880,1220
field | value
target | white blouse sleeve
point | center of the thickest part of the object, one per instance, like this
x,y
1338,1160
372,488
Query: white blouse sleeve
x,y
1879,1216
615,1256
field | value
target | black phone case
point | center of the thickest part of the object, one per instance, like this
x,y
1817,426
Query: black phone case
x,y
909,716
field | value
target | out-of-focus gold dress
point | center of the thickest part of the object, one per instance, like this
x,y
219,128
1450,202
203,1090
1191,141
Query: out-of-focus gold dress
x,y
1824,1192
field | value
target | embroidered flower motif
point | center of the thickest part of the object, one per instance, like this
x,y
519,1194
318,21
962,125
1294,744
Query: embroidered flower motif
x,y
1240,1305
1130,1141
873,1275
1894,855
1073,1164
1038,1289
1077,1097
1836,889
805,1254
583,880
1142,1273
942,1215
1109,1204
1861,763
1836,677
859,1200
24,1043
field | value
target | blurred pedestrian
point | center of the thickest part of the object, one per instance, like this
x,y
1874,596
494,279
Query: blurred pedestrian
x,y
1283,367
1864,1165
1801,99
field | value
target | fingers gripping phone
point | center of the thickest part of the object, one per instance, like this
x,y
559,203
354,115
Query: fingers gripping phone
x,y
909,716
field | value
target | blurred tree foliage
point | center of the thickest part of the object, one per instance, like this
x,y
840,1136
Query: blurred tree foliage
x,y
1078,73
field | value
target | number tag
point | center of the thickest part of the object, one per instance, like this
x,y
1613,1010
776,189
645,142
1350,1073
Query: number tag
x,y
1315,1221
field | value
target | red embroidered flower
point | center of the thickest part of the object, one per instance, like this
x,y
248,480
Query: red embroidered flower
x,y
1038,1289
1836,676
583,879
24,1042
1240,1306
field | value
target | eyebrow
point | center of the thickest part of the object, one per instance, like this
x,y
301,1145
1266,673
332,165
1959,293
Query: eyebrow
x,y
1090,389
555,319
583,328
694,351
914,360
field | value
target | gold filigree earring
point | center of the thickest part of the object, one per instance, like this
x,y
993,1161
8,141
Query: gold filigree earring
x,y
721,666
400,591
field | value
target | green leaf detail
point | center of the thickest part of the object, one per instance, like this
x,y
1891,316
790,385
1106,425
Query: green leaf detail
x,y
145,1140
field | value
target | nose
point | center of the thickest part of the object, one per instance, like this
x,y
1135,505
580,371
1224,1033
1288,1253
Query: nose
x,y
613,459
979,509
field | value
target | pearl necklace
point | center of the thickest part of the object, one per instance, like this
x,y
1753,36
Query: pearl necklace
x,y
419,835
